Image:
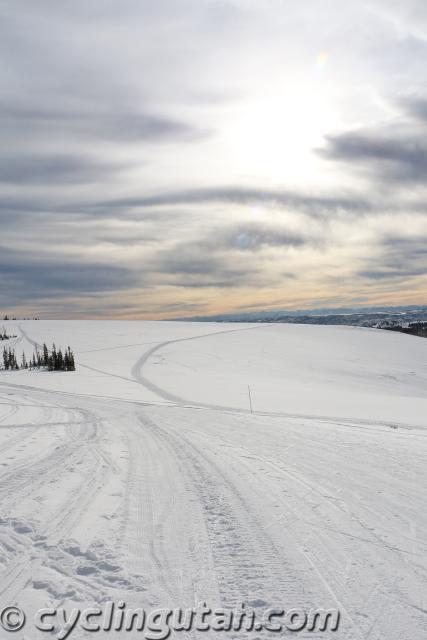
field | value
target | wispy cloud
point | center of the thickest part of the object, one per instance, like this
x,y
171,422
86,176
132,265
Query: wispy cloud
x,y
163,157
32,277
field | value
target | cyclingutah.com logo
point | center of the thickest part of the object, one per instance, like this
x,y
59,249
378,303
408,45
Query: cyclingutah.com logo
x,y
158,624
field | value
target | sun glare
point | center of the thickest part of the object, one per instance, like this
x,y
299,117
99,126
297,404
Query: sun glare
x,y
272,138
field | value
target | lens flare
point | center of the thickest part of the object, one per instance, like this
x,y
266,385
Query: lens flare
x,y
322,60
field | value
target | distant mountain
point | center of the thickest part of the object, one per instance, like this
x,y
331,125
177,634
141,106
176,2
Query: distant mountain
x,y
380,317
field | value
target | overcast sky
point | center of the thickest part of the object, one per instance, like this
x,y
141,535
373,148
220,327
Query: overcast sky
x,y
184,157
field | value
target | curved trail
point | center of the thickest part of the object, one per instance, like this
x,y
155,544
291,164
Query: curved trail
x,y
172,400
137,369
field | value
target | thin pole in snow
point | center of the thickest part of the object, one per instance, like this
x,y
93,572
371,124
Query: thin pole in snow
x,y
250,398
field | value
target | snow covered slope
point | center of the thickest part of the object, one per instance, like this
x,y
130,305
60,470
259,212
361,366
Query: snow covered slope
x,y
144,478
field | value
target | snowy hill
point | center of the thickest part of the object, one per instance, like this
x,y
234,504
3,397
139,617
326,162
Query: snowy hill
x,y
144,477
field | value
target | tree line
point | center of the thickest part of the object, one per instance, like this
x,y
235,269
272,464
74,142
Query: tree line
x,y
6,317
412,328
4,335
52,360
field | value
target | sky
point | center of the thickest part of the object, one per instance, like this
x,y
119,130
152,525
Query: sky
x,y
193,157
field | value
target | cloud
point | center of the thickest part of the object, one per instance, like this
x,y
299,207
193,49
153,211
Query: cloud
x,y
397,258
95,122
382,274
188,265
315,205
253,237
155,146
50,169
27,277
230,255
392,156
394,151
415,106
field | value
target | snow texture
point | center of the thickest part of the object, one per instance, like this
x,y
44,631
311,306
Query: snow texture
x,y
144,477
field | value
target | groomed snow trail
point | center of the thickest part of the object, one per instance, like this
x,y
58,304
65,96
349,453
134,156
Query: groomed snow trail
x,y
111,498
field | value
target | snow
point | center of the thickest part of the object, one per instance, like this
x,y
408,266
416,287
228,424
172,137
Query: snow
x,y
143,476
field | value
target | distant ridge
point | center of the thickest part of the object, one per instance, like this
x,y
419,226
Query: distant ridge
x,y
359,316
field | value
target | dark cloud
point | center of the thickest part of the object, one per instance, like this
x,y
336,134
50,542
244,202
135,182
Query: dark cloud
x,y
30,277
50,169
254,236
397,257
79,75
390,156
395,152
416,107
407,256
384,274
188,266
310,204
224,256
95,121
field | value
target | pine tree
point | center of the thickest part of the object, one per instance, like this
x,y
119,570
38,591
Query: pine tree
x,y
70,360
55,360
53,357
45,355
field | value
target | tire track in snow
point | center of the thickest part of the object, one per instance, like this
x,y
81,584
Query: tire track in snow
x,y
28,479
137,369
247,563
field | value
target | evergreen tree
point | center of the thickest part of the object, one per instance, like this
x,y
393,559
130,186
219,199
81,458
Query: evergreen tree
x,y
45,355
55,360
13,363
70,360
59,364
53,357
